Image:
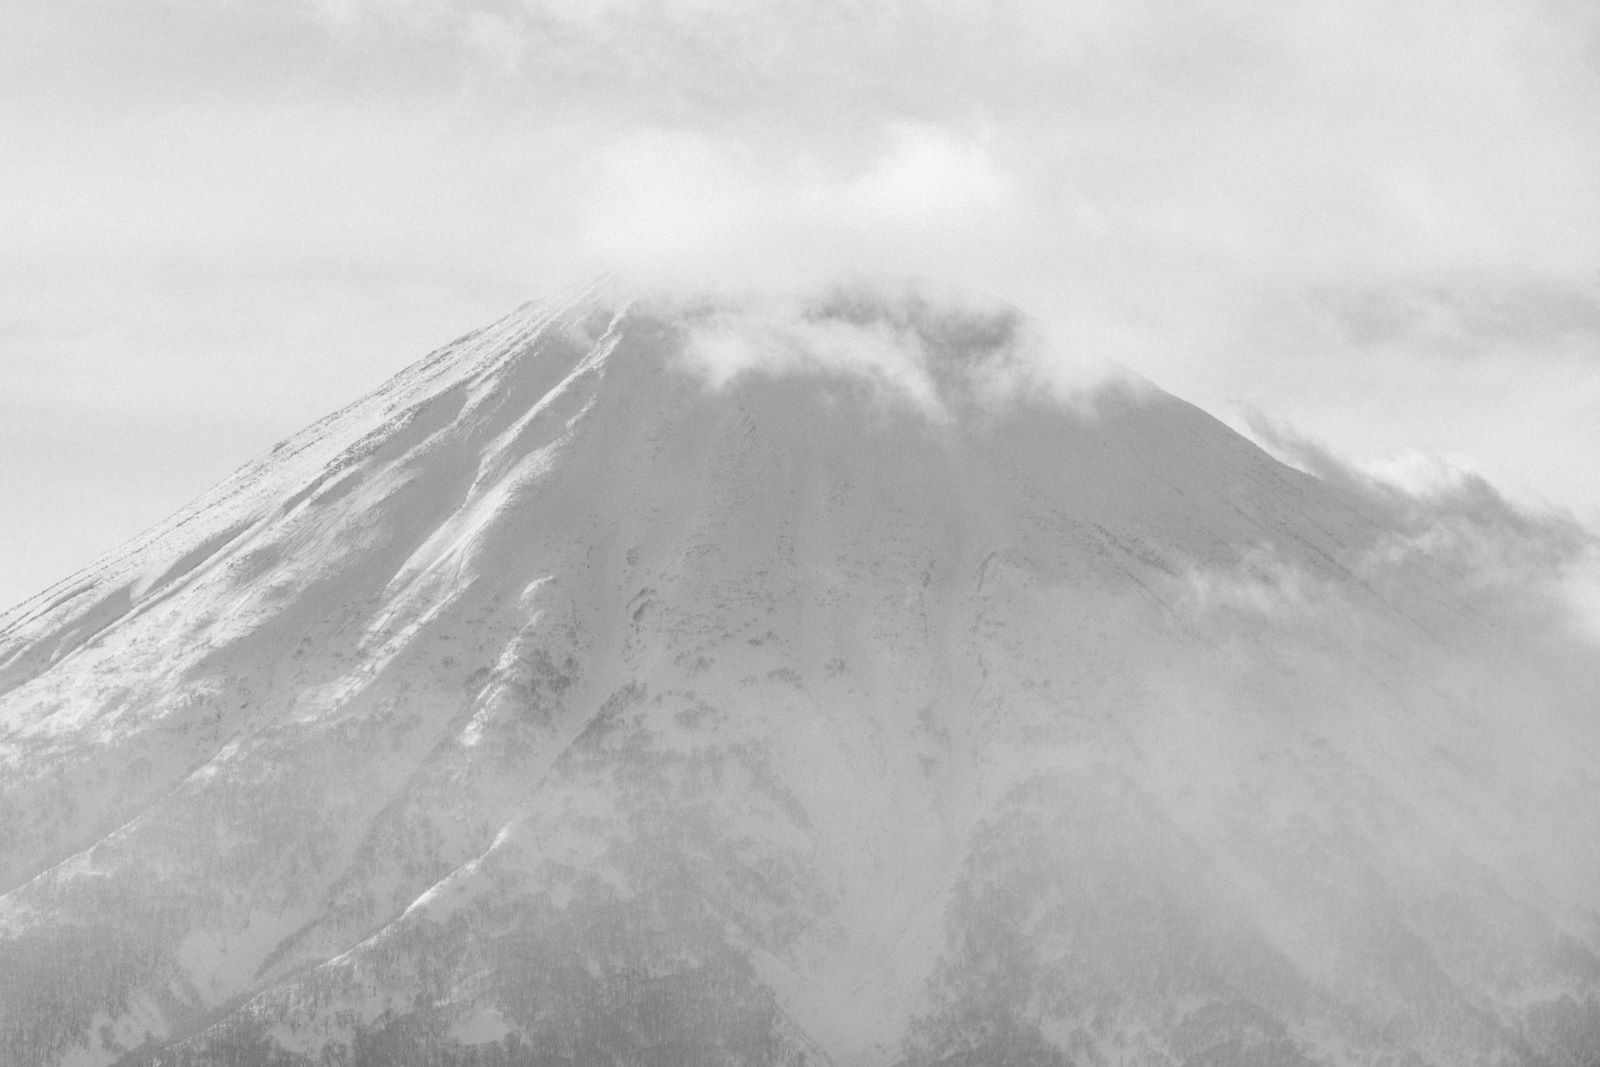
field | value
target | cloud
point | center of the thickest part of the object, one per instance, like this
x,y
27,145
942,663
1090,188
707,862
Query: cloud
x,y
1263,585
1531,571
678,207
1153,168
725,348
1467,316
948,354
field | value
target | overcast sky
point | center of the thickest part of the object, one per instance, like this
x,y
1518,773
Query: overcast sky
x,y
1377,221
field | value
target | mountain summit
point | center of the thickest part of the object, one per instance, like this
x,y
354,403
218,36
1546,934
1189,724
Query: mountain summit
x,y
833,683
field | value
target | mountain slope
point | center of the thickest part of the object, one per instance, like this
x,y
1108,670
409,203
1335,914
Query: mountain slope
x,y
630,685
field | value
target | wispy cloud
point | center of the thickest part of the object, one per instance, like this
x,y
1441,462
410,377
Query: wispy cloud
x,y
678,207
1468,316
1528,568
952,355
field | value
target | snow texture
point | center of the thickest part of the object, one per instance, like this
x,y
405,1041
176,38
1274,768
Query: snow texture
x,y
651,683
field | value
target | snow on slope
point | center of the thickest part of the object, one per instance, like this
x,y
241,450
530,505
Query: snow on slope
x,y
624,684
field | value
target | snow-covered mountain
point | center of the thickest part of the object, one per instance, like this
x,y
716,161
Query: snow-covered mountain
x,y
635,684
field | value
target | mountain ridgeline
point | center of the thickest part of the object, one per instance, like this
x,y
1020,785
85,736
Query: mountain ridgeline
x,y
626,684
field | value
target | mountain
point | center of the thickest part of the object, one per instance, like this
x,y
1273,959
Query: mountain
x,y
833,683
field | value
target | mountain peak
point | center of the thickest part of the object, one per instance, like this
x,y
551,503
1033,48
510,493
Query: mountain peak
x,y
833,679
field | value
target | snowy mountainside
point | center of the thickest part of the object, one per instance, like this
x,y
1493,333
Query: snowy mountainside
x,y
634,685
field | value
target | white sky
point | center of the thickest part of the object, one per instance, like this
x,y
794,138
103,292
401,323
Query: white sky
x,y
1378,221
